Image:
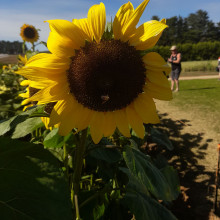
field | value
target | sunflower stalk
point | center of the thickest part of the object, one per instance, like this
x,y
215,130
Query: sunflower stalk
x,y
65,155
23,47
78,164
33,47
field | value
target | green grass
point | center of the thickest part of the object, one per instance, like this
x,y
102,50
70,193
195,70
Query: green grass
x,y
202,67
200,97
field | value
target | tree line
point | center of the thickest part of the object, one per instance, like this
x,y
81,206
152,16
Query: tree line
x,y
7,47
190,51
197,27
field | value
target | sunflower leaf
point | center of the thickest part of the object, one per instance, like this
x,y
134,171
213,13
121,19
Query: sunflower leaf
x,y
26,127
144,207
141,166
54,140
11,123
161,139
31,181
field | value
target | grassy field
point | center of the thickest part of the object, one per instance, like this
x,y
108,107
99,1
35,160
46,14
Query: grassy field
x,y
200,97
197,68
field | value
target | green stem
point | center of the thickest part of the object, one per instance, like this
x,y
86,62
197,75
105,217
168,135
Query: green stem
x,y
33,47
65,157
23,47
78,164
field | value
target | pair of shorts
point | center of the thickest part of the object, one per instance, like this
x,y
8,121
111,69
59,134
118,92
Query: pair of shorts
x,y
175,74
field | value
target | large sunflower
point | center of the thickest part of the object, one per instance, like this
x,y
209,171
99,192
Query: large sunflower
x,y
100,83
29,33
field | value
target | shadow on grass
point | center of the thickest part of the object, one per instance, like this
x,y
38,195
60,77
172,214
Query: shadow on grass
x,y
206,88
197,185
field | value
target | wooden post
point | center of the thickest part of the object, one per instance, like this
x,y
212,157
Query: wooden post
x,y
216,181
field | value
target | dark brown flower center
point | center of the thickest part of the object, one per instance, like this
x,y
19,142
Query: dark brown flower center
x,y
106,76
29,32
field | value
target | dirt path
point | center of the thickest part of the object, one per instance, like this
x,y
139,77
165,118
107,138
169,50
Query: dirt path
x,y
199,77
195,158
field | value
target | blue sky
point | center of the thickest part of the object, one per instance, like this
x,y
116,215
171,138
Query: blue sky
x,y
14,13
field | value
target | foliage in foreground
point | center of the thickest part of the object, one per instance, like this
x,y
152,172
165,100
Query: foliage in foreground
x,y
121,177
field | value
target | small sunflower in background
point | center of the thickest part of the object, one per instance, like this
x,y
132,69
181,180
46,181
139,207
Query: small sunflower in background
x,y
29,33
97,82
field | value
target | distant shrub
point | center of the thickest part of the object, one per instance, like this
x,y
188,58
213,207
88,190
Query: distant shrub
x,y
190,52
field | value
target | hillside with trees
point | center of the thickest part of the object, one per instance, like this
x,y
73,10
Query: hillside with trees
x,y
197,27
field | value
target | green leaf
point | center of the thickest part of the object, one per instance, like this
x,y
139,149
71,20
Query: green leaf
x,y
109,155
98,211
161,139
144,207
172,178
54,140
26,127
141,166
93,203
11,123
134,184
31,182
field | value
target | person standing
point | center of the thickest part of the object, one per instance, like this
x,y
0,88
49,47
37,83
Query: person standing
x,y
175,60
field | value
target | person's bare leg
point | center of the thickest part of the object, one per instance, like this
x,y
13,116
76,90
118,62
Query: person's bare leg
x,y
177,84
172,84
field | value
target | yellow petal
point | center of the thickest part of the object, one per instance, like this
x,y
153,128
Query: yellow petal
x,y
67,29
55,115
60,46
163,21
158,92
84,26
135,121
80,116
121,19
67,116
52,93
153,61
24,95
133,20
122,122
147,35
97,20
66,124
96,126
42,76
25,83
41,84
157,71
109,124
45,120
83,118
49,62
146,109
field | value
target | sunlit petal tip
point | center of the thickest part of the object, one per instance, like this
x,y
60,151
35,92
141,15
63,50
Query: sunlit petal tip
x,y
163,21
97,21
25,102
134,19
25,83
